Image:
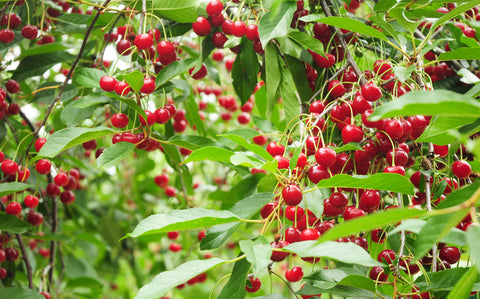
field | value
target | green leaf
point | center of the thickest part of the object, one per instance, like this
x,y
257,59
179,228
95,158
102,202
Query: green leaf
x,y
379,20
384,5
37,65
258,253
403,73
235,287
72,116
453,13
134,80
276,22
88,77
464,285
170,279
20,293
473,240
112,155
459,196
13,224
181,11
42,49
351,146
182,220
434,102
460,54
273,76
92,99
455,236
246,208
342,252
244,71
191,142
444,280
379,181
254,148
369,222
352,25
70,137
442,129
307,41
291,102
174,69
297,70
211,153
193,115
244,159
436,228
12,187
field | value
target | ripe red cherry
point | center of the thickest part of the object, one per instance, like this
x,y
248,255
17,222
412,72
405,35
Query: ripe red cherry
x,y
371,92
252,33
351,213
7,36
292,235
12,86
11,254
3,255
325,62
108,83
9,167
202,26
13,208
378,274
370,199
268,209
255,285
173,235
143,41
382,68
387,255
23,173
162,115
325,156
175,247
119,120
227,26
393,128
148,85
29,32
317,173
150,119
295,274
309,234
461,169
260,139
165,49
317,107
275,149
43,166
39,143
278,256
124,47
46,295
352,133
200,74
395,169
122,88
238,28
31,201
34,218
219,39
161,180
401,157
339,200
67,197
336,89
292,195
3,273
450,255
214,7
243,118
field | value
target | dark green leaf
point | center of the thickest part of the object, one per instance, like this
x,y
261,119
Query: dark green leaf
x,y
182,220
112,155
170,279
384,5
379,181
297,69
193,116
307,41
174,69
273,77
37,65
258,253
244,71
276,22
289,96
181,11
343,252
464,285
13,224
454,12
88,77
20,293
458,197
442,129
210,153
69,137
235,287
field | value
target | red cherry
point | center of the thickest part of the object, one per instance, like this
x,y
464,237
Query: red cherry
x,y
338,200
43,166
34,218
108,83
395,169
53,190
275,149
174,247
252,33
143,41
162,115
336,89
119,120
401,157
370,199
39,143
214,7
227,26
202,26
450,255
461,169
292,235
124,47
322,227
11,254
238,28
351,213
46,295
12,86
9,167
371,92
382,68
7,36
292,195
30,31
387,255
317,173
13,208
61,179
278,256
170,191
378,274
122,88
268,209
219,39
325,62
309,234
200,74
67,197
295,274
166,49
325,157
23,173
171,109
31,201
260,140
254,286
148,85
393,128
173,235
294,211
243,118
3,273
162,180
3,255
352,133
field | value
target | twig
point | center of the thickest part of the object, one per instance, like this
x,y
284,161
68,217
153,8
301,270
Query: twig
x,y
428,205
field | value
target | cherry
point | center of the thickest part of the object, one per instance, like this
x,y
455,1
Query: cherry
x,y
13,109
292,235
173,235
179,126
218,56
166,49
387,255
219,39
243,118
143,41
34,218
294,211
171,109
351,213
309,234
238,28
325,157
325,62
3,255
170,191
124,47
336,89
292,195
7,36
107,83
275,149
382,68
260,139
200,74
317,173
268,209
370,199
148,85
395,169
61,179
378,274
461,169
122,88
175,247
410,269
23,173
13,208
252,33
53,190
401,157
393,128
202,26
119,120
162,180
3,273
316,107
67,197
43,166
371,92
254,286
46,295
338,200
295,274
450,255
278,256
11,254
214,7
352,133
30,31
227,26
9,167
31,201
162,115
39,143
12,86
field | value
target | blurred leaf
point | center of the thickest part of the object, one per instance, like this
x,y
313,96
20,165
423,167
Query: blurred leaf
x,y
20,293
42,49
258,253
88,77
12,187
442,129
112,155
464,285
182,220
91,99
473,239
454,12
181,11
379,181
170,279
235,287
72,116
384,5
291,102
12,224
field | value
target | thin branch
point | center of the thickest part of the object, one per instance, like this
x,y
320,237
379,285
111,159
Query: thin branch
x,y
22,115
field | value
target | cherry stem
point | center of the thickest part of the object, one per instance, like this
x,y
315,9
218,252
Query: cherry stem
x,y
286,283
428,205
